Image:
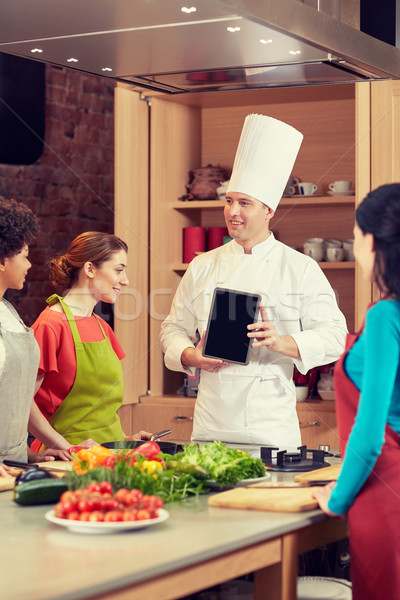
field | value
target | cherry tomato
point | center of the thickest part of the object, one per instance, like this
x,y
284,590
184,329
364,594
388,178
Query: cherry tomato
x,y
65,496
84,516
106,487
113,516
121,494
59,510
93,487
73,516
142,515
129,515
133,498
68,506
96,516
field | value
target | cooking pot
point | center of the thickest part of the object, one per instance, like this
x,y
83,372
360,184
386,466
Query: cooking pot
x,y
168,447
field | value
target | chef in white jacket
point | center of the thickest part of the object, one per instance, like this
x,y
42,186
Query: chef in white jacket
x,y
300,322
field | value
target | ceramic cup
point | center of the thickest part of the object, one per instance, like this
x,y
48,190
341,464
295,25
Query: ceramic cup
x,y
291,186
334,254
340,186
314,247
307,189
348,249
331,243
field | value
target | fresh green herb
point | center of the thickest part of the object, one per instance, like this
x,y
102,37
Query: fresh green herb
x,y
226,465
168,484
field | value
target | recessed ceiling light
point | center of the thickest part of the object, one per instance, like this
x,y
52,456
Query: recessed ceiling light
x,y
294,52
36,50
265,41
72,60
106,69
233,29
188,10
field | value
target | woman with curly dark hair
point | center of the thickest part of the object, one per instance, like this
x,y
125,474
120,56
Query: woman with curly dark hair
x,y
367,385
19,352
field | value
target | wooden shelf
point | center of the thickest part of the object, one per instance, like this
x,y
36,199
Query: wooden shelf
x,y
180,267
285,202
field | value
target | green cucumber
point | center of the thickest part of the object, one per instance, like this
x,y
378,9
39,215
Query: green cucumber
x,y
39,491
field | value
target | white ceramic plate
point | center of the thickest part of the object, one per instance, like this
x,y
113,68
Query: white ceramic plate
x,y
348,193
87,527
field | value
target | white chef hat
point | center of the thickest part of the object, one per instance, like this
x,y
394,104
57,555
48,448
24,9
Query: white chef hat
x,y
264,159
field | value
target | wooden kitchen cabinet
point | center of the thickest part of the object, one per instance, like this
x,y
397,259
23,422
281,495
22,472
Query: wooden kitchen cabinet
x,y
155,413
192,130
317,420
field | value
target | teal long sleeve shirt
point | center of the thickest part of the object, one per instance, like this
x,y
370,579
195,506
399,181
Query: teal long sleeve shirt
x,y
373,365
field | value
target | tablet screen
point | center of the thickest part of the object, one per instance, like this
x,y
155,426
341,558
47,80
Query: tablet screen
x,y
226,334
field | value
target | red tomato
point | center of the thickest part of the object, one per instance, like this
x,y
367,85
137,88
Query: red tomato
x,y
59,510
133,498
92,487
142,515
65,496
113,516
68,506
152,502
96,516
105,486
120,495
87,504
129,515
73,515
84,516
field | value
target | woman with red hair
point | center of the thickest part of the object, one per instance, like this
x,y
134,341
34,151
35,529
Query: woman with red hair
x,y
80,372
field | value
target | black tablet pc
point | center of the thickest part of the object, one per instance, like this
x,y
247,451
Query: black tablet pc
x,y
226,334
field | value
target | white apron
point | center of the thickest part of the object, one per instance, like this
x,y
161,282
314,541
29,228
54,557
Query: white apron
x,y
17,383
255,403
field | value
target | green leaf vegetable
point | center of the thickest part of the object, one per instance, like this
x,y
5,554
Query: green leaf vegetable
x,y
225,465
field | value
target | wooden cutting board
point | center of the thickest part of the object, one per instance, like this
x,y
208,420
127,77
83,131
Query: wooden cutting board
x,y
326,473
8,483
276,499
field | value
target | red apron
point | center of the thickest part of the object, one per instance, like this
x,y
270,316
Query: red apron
x,y
374,517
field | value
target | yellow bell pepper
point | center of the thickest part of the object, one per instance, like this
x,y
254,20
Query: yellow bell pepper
x,y
150,467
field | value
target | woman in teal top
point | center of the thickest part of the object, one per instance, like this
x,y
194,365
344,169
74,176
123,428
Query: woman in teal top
x,y
367,384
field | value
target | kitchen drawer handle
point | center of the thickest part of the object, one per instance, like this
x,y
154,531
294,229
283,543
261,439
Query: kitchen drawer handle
x,y
181,418
310,423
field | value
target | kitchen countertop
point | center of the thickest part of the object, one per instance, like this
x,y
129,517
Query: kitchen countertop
x,y
42,561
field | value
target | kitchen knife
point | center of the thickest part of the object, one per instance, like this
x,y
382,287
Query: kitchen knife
x,y
22,465
290,484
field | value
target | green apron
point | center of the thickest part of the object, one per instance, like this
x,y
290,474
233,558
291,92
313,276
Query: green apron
x,y
90,409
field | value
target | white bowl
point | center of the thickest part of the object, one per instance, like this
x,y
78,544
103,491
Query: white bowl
x,y
301,393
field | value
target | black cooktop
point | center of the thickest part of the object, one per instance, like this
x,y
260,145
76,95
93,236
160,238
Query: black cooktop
x,y
303,460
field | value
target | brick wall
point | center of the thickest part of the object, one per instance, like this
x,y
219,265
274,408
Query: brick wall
x,y
71,186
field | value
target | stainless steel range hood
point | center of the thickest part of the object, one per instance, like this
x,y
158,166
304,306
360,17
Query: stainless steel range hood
x,y
179,47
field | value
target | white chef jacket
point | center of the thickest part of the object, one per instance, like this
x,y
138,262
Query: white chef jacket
x,y
255,403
